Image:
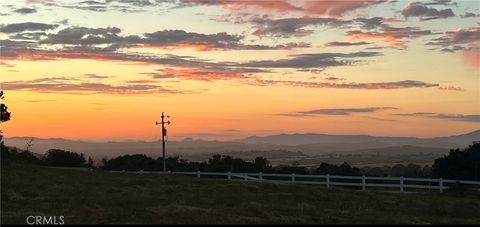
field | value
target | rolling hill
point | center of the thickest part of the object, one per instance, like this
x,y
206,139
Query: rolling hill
x,y
312,145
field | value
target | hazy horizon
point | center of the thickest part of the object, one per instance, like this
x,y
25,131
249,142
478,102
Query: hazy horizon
x,y
226,140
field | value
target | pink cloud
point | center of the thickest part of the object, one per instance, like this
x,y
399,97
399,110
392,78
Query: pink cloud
x,y
335,8
392,39
393,36
471,57
318,7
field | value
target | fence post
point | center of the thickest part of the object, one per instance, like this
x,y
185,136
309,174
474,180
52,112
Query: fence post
x,y
293,177
229,175
260,177
328,180
364,186
401,184
198,174
441,184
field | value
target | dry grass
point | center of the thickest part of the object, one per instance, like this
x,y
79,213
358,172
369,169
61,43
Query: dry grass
x,y
100,197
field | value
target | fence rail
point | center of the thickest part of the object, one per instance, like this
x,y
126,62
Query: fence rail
x,y
402,183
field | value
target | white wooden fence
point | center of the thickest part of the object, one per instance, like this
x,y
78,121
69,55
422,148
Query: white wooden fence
x,y
363,182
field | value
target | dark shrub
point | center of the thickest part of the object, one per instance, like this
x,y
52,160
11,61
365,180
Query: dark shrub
x,y
12,153
342,170
132,163
459,189
56,157
459,164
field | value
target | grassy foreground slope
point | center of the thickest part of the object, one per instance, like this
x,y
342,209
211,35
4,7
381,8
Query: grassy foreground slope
x,y
100,197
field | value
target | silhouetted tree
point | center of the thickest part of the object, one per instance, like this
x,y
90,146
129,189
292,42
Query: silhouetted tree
x,y
413,170
56,157
134,162
325,168
104,161
173,164
285,169
427,171
343,170
4,116
225,163
29,144
375,172
397,170
261,164
7,152
459,164
346,170
90,162
14,154
28,157
219,163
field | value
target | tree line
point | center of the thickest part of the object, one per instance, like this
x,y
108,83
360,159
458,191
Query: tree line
x,y
458,164
137,162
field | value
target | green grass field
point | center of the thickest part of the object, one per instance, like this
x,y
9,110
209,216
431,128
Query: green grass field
x,y
101,197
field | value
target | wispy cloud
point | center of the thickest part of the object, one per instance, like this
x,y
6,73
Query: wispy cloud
x,y
453,117
95,76
111,39
159,75
353,85
345,44
458,37
470,14
320,60
185,66
25,11
338,111
332,78
451,88
85,88
465,40
28,26
141,81
288,27
205,74
125,6
416,9
39,100
394,37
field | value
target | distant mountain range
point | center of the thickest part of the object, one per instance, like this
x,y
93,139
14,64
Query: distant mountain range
x,y
282,146
302,139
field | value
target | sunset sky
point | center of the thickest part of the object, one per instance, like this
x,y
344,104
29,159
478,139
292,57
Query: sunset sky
x,y
225,69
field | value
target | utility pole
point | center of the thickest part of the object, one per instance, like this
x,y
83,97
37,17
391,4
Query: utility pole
x,y
164,133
